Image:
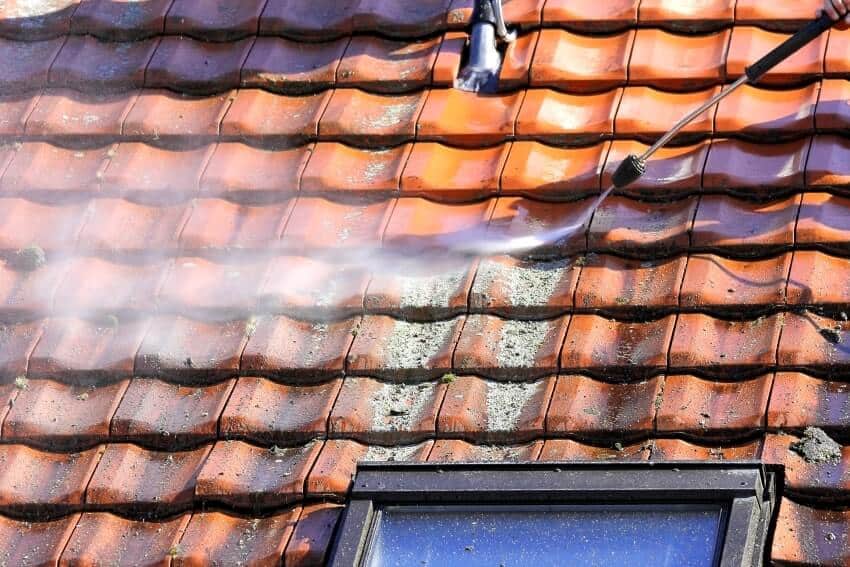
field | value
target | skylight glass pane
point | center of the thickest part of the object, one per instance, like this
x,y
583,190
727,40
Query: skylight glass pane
x,y
510,536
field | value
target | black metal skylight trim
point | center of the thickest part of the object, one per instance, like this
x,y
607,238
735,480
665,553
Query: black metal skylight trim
x,y
749,491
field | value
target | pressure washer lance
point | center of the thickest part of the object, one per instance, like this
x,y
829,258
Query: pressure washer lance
x,y
634,166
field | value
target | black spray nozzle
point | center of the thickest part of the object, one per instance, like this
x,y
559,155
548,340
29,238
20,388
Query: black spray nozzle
x,y
629,171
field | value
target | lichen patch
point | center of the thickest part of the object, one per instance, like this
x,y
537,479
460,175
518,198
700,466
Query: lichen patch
x,y
505,402
413,345
395,453
519,343
399,407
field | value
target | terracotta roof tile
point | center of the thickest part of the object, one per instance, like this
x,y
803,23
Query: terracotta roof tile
x,y
280,65
71,115
782,15
746,166
220,224
646,113
262,117
674,172
835,59
311,538
444,173
680,450
724,223
35,172
365,119
558,118
27,292
818,479
381,65
337,170
822,221
250,477
516,63
753,111
320,223
748,44
15,110
111,20
588,15
815,279
642,228
122,227
570,450
687,16
827,165
86,63
219,21
17,341
266,412
539,171
167,416
809,340
832,111
811,536
57,230
591,409
39,543
53,415
190,65
581,63
244,174
457,451
158,114
678,62
465,119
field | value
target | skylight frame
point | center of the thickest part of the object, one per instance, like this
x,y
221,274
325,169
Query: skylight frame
x,y
749,490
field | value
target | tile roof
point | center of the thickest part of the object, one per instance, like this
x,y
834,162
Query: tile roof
x,y
185,368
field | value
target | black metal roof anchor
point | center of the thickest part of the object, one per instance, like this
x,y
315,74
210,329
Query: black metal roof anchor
x,y
481,72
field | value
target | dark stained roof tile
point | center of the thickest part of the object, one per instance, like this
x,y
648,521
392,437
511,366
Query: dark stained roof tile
x,y
24,65
112,20
381,65
54,415
280,65
261,117
265,412
216,21
316,20
592,409
86,63
42,19
158,414
185,64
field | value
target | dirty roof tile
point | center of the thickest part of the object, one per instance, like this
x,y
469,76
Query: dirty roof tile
x,y
119,227
26,292
49,173
748,44
314,289
235,540
521,13
130,477
687,16
320,223
737,166
640,227
280,65
833,111
619,285
581,63
242,475
57,229
334,469
371,411
815,474
219,224
445,173
178,346
86,63
457,451
160,114
33,480
756,112
311,539
97,286
144,541
421,296
90,348
24,64
364,119
216,21
715,346
401,18
559,118
262,117
678,62
40,19
17,341
8,392
697,407
809,340
607,347
727,224
73,116
811,536
199,287
647,113
244,174
510,349
482,411
266,412
298,350
118,21
680,450
672,172
466,119
590,15
823,221
338,170
588,408
799,401
394,349
148,174
560,450
35,543
539,171
188,65
317,20
514,288
380,65
829,162
817,279
167,416
54,415
516,217
783,15
15,111
715,283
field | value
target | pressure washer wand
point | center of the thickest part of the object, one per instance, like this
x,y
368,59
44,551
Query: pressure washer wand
x,y
633,167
